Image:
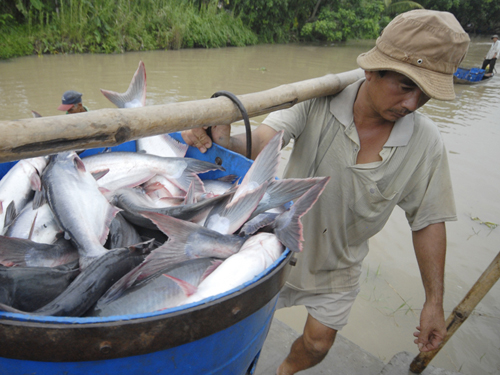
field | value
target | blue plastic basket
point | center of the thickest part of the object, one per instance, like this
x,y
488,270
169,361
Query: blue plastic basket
x,y
220,335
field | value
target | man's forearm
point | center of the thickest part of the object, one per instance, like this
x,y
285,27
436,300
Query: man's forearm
x,y
430,250
260,137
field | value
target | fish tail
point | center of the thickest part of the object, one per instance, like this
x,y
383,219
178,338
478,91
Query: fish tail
x,y
265,166
237,211
177,147
288,227
136,92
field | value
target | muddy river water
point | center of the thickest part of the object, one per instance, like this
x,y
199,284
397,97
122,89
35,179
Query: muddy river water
x,y
386,312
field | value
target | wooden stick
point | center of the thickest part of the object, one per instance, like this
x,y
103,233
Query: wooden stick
x,y
463,310
109,127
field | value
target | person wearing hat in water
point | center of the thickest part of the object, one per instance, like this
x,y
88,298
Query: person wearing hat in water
x,y
491,57
380,153
72,102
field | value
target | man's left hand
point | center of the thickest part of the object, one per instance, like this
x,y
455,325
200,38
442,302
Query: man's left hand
x,y
432,329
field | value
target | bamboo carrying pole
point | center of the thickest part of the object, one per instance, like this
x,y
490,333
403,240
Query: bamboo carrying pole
x,y
463,310
109,127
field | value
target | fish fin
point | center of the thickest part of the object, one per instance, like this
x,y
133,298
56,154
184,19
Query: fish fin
x,y
135,96
187,288
35,181
280,192
110,215
178,148
39,199
213,266
10,214
236,213
258,222
288,227
172,227
79,164
195,188
6,308
100,174
199,166
228,178
13,251
35,114
159,260
265,166
30,235
152,187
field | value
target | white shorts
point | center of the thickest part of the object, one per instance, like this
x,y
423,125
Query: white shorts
x,y
330,309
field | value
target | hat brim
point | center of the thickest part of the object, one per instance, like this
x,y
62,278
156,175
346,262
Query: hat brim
x,y
433,84
65,107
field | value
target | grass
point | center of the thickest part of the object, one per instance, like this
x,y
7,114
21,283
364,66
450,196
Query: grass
x,y
109,26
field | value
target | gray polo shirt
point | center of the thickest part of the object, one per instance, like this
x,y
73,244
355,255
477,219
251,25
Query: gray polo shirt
x,y
359,198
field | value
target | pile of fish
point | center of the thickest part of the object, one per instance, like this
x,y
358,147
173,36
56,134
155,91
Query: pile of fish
x,y
123,233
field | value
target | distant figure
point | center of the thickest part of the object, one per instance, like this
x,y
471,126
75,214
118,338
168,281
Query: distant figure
x,y
492,55
72,102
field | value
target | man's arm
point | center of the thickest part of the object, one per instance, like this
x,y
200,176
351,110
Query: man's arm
x,y
221,135
430,249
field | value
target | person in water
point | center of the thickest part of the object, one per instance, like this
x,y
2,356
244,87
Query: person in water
x,y
380,153
72,102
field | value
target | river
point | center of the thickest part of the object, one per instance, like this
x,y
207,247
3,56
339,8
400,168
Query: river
x,y
386,312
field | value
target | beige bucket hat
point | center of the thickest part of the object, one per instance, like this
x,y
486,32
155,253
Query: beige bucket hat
x,y
425,45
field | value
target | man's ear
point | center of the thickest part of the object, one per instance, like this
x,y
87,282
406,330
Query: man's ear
x,y
369,75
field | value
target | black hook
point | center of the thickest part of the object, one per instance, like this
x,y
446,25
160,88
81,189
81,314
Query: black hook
x,y
244,113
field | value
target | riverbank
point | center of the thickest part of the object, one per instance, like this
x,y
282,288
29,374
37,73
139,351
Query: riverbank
x,y
92,27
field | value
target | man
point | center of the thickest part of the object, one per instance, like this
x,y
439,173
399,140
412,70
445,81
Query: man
x,y
491,57
380,153
72,102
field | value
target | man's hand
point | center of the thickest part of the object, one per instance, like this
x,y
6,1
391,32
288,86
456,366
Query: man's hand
x,y
432,329
199,138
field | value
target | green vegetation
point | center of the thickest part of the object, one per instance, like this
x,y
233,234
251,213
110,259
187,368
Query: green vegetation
x,y
115,26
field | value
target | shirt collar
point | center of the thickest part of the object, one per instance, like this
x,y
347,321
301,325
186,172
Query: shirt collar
x,y
342,109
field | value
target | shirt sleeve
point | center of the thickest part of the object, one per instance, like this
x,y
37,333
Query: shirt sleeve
x,y
291,120
429,197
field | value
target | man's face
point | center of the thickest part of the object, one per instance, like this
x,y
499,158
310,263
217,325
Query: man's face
x,y
494,40
77,108
394,95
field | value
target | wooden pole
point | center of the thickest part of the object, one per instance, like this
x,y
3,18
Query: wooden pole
x,y
109,127
463,310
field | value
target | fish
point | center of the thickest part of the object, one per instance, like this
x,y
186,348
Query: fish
x,y
135,96
186,241
91,283
259,251
134,201
122,233
256,255
264,168
130,169
36,224
30,288
287,226
17,188
162,145
18,252
79,207
159,293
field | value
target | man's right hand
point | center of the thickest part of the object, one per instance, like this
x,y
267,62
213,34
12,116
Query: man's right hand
x,y
198,137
